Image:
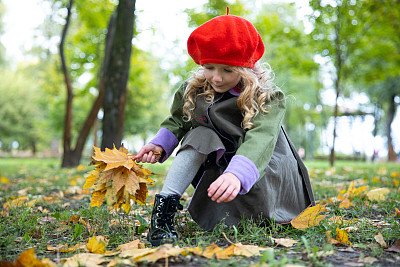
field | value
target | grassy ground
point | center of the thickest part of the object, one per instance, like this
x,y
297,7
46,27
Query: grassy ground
x,y
43,206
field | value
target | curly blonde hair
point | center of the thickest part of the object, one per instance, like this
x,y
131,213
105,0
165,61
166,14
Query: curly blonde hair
x,y
257,88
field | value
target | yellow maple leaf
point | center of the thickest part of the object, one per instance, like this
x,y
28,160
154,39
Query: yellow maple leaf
x,y
309,217
207,252
141,194
113,158
98,198
97,245
92,178
345,203
378,194
342,237
28,258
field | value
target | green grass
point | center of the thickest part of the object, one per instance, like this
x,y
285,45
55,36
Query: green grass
x,y
62,215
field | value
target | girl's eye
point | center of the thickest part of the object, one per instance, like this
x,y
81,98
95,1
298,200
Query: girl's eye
x,y
208,67
227,70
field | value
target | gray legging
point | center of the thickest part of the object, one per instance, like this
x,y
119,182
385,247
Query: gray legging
x,y
182,172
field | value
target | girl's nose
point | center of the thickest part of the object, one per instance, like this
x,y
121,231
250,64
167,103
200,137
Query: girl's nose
x,y
217,77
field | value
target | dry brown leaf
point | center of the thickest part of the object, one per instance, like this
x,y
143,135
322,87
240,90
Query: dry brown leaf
x,y
379,238
162,252
395,247
286,242
64,248
246,250
135,244
85,259
136,253
309,217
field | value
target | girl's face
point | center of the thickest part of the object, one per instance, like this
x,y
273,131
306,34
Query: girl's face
x,y
221,77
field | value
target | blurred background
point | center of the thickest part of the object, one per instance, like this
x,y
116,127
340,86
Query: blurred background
x,y
337,61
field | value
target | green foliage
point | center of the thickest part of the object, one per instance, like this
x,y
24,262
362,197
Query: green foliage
x,y
147,95
21,111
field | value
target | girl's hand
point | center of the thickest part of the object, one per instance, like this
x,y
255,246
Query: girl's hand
x,y
149,153
225,188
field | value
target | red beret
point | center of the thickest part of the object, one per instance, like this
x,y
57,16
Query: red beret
x,y
228,39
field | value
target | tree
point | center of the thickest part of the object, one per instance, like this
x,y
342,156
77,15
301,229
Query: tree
x,y
117,75
378,61
72,156
338,28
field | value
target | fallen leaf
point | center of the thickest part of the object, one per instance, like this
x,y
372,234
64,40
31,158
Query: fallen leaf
x,y
136,253
379,238
342,237
27,259
207,252
345,203
162,252
246,250
395,247
65,248
396,212
4,180
85,259
378,194
97,245
286,242
131,245
309,217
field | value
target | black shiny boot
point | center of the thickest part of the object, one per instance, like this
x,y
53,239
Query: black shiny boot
x,y
162,228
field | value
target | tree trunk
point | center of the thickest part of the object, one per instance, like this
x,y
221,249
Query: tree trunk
x,y
390,116
72,157
68,155
118,71
337,86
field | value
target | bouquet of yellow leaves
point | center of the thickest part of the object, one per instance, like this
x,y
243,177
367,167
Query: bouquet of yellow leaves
x,y
118,179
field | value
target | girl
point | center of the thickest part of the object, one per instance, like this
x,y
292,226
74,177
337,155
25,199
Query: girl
x,y
233,149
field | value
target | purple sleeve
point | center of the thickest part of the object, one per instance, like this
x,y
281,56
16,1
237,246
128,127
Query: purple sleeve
x,y
167,140
245,170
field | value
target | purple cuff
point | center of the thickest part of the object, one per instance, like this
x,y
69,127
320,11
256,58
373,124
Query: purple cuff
x,y
167,140
245,170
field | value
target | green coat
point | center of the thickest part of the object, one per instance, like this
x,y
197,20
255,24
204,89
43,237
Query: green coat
x,y
283,188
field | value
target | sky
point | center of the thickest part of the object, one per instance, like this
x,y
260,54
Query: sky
x,y
169,20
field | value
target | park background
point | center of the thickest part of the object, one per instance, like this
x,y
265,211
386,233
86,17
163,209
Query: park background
x,y
338,61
